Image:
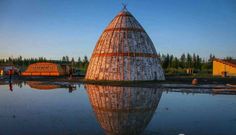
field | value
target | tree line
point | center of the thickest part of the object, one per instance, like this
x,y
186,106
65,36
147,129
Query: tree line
x,y
172,64
169,62
193,61
21,62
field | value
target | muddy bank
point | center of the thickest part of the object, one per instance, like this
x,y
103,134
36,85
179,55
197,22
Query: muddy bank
x,y
169,80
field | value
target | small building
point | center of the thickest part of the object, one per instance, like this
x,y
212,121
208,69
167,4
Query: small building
x,y
43,69
224,67
4,69
189,71
1,72
66,68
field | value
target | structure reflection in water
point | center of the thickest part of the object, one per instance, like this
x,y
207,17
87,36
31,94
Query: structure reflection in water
x,y
49,86
123,110
42,86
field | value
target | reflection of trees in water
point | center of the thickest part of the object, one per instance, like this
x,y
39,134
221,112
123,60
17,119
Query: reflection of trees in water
x,y
123,110
11,84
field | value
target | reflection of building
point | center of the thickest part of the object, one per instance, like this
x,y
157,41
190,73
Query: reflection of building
x,y
42,86
123,110
43,69
124,52
50,86
224,67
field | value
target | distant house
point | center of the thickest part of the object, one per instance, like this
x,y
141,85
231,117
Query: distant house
x,y
43,69
4,69
224,67
1,72
66,68
189,71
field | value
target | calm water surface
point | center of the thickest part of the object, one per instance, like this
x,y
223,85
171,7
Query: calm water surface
x,y
42,109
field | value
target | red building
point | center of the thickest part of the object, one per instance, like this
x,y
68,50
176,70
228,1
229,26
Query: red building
x,y
43,69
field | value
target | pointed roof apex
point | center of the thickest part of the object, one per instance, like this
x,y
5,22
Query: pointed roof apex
x,y
124,7
124,11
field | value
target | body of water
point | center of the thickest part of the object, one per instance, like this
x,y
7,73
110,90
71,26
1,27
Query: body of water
x,y
34,108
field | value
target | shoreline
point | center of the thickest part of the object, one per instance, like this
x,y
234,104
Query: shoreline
x,y
169,80
208,85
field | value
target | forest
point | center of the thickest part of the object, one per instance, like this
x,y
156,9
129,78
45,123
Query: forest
x,y
23,63
170,63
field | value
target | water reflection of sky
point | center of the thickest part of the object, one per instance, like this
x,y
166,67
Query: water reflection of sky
x,y
198,113
31,111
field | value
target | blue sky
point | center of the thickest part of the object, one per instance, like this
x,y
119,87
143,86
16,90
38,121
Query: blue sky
x,y
54,28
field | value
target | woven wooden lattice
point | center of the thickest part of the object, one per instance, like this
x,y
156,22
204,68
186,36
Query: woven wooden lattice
x,y
43,69
124,52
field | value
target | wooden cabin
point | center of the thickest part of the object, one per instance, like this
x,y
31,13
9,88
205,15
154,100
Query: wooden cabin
x,y
43,69
224,68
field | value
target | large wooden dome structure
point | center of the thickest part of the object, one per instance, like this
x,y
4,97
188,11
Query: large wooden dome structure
x,y
124,52
123,110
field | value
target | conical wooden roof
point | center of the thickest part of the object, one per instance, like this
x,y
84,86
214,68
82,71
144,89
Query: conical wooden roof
x,y
124,52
